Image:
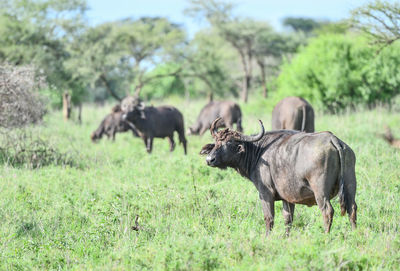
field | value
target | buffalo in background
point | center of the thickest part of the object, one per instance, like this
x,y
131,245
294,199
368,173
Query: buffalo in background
x,y
293,113
151,122
229,112
112,124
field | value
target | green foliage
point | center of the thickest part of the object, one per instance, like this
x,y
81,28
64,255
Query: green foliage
x,y
336,71
97,59
306,25
37,33
164,86
148,42
379,19
191,217
205,65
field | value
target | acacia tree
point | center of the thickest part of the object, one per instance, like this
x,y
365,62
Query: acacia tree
x,y
203,62
240,33
97,58
269,49
146,43
37,33
306,25
380,20
120,54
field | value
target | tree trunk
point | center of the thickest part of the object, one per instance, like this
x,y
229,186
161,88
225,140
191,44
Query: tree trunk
x,y
108,87
246,63
263,82
210,97
245,88
66,106
80,113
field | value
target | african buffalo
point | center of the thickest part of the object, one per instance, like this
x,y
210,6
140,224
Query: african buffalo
x,y
152,122
229,112
292,166
112,124
293,113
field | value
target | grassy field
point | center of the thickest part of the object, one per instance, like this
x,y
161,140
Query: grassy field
x,y
191,217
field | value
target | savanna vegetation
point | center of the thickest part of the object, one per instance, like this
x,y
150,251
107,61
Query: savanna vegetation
x,y
67,203
190,216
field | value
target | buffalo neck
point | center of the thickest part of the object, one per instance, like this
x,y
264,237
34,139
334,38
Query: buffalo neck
x,y
254,151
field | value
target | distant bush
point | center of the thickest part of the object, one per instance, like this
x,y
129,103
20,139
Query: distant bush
x,y
20,148
336,71
20,103
21,106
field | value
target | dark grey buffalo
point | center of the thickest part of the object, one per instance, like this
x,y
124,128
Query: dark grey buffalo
x,y
229,112
293,113
112,124
292,166
151,122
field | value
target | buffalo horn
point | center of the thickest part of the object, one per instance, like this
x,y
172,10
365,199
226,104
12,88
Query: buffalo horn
x,y
214,127
253,138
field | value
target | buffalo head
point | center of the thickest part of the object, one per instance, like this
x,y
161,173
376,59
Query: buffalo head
x,y
228,147
95,137
132,108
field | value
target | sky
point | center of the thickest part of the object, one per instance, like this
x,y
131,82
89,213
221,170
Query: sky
x,y
272,11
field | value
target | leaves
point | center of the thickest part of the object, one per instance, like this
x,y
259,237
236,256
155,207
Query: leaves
x,y
337,71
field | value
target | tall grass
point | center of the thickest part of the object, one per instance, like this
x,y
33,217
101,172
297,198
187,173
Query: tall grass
x,y
191,217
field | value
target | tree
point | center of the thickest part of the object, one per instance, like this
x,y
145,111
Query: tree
x,y
37,33
306,25
269,49
120,54
204,63
148,42
380,20
97,58
239,33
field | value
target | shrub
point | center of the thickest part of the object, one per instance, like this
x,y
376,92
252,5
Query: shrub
x,y
336,71
20,103
19,148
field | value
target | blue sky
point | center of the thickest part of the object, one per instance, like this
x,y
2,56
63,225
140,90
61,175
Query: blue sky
x,y
272,11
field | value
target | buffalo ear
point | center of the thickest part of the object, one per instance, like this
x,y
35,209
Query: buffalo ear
x,y
142,115
207,149
241,148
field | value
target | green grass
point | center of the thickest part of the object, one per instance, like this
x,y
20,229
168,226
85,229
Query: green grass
x,y
192,217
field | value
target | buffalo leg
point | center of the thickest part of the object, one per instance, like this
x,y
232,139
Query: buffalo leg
x,y
239,127
149,144
229,124
145,142
322,186
267,203
171,143
326,209
182,139
350,188
288,211
203,130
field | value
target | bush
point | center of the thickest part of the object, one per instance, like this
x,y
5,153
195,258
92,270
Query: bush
x,y
20,148
336,71
20,103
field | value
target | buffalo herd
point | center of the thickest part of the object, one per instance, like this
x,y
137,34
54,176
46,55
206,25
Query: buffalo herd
x,y
291,163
